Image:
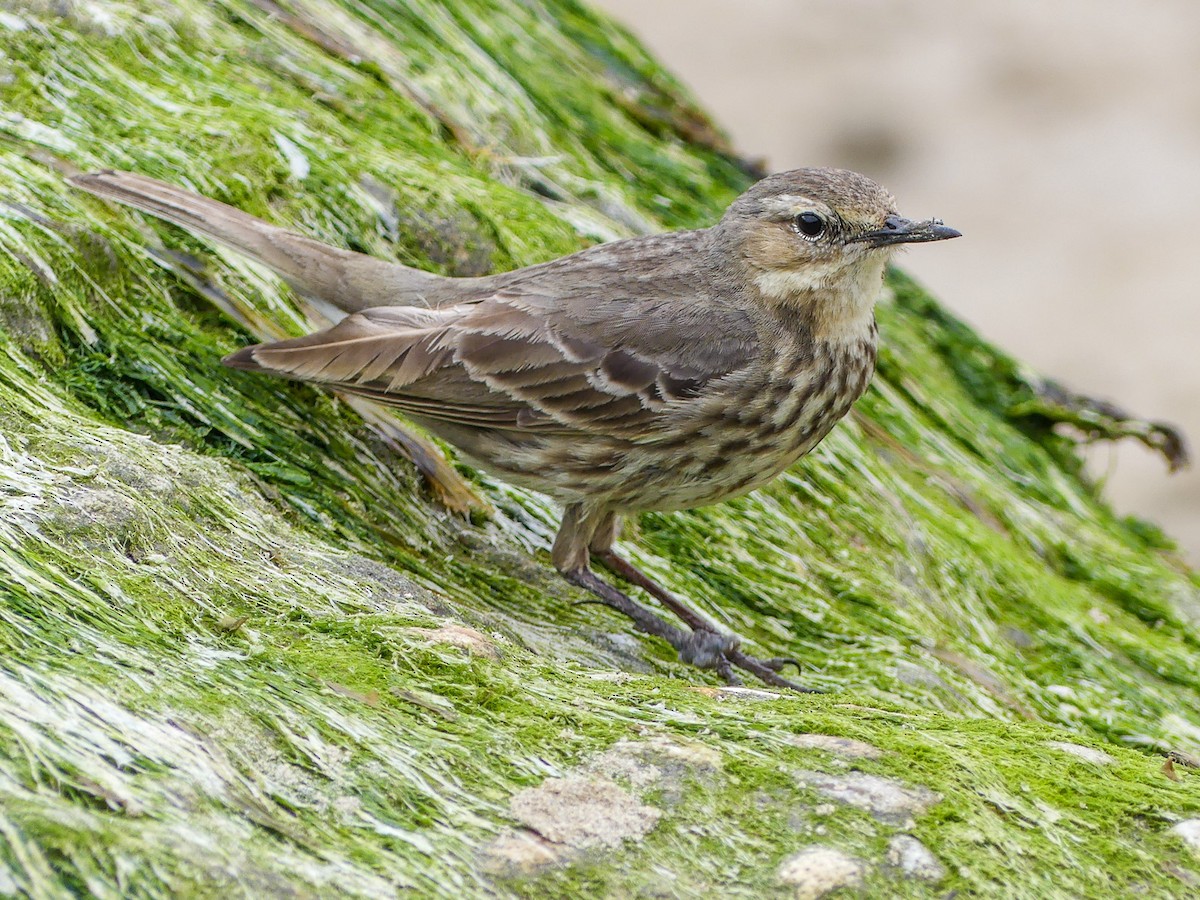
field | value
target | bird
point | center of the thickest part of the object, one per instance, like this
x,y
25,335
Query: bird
x,y
655,373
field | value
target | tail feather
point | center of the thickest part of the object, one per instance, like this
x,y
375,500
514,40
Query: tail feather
x,y
350,281
396,346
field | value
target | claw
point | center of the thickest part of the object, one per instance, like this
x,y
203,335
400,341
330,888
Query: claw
x,y
777,663
767,673
730,677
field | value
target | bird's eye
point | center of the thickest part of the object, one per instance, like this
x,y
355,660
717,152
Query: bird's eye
x,y
810,225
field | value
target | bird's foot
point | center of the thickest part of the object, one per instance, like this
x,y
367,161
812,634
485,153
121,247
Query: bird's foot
x,y
702,645
767,670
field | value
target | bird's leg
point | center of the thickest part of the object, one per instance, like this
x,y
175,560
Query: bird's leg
x,y
585,533
707,649
704,647
623,568
570,557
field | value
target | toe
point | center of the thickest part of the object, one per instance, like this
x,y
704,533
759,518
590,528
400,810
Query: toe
x,y
707,649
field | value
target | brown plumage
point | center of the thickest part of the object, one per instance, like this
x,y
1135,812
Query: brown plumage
x,y
660,372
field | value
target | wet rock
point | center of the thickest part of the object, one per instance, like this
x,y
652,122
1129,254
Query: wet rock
x,y
912,859
395,592
24,322
583,812
744,694
565,818
816,871
450,237
596,808
86,509
921,677
655,762
841,746
1019,638
887,799
522,853
474,642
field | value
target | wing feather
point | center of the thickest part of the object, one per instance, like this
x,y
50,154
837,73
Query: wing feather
x,y
500,363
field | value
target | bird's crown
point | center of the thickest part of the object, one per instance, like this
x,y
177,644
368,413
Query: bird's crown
x,y
847,193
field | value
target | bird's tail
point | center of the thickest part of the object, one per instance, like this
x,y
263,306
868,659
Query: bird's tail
x,y
349,281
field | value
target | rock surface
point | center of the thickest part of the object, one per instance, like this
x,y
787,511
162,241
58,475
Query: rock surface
x,y
583,812
1189,832
817,871
887,799
837,745
912,859
1087,754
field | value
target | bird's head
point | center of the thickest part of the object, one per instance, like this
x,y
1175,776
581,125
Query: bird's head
x,y
820,238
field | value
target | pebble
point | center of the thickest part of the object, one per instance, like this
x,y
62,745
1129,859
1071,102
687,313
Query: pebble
x,y
816,871
913,859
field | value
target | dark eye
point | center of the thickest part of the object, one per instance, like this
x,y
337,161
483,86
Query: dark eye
x,y
810,224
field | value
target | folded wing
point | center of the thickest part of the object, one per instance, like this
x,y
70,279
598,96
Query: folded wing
x,y
504,362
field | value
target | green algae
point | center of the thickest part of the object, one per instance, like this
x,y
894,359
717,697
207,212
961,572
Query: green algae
x,y
217,591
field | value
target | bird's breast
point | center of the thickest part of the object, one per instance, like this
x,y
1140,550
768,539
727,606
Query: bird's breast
x,y
762,423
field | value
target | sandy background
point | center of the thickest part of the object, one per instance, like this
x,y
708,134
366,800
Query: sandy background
x,y
1063,139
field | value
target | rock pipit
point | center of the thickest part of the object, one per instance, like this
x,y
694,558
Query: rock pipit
x,y
656,373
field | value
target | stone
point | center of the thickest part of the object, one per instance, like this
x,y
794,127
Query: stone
x,y
564,818
817,870
841,746
746,694
912,859
1188,831
583,812
522,853
655,762
474,642
887,799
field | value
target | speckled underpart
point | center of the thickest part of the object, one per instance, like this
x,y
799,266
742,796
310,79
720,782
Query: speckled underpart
x,y
719,447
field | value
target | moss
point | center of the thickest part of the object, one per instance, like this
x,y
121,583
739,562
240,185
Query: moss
x,y
210,681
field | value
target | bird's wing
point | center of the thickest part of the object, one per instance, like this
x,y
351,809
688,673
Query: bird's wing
x,y
519,361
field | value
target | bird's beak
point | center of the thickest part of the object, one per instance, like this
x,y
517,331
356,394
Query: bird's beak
x,y
898,230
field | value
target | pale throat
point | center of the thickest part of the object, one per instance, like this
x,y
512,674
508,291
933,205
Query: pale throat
x,y
838,296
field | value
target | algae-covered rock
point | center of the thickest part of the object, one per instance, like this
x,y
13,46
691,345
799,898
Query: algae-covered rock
x,y
244,650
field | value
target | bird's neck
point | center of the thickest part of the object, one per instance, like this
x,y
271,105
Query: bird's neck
x,y
836,303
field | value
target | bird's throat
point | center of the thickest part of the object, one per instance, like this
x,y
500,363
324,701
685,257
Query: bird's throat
x,y
837,302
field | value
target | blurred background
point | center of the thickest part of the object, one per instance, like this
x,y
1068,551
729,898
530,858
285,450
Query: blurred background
x,y
1062,138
